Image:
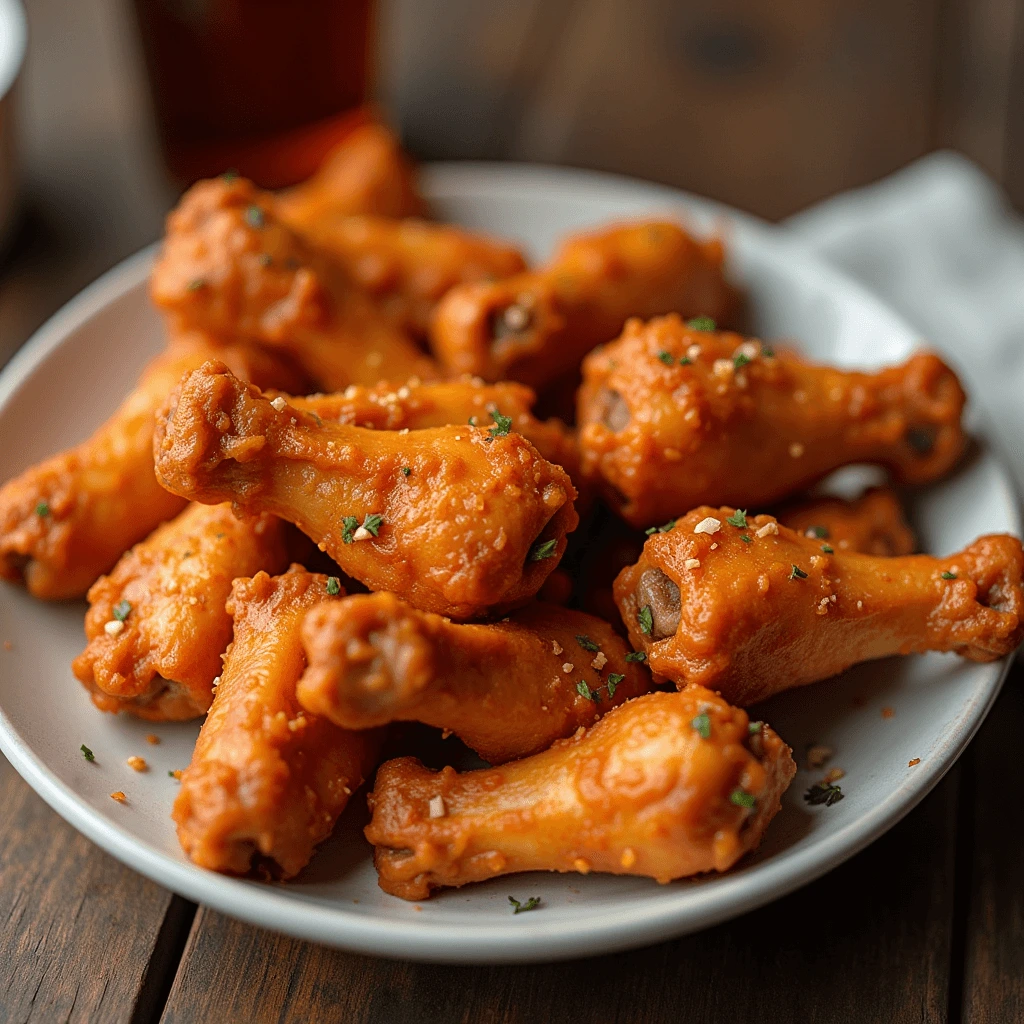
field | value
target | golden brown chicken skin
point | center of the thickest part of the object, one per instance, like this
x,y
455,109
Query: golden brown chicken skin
x,y
672,417
506,689
537,326
417,406
475,525
367,173
157,625
267,780
67,520
667,785
407,266
752,617
873,524
231,267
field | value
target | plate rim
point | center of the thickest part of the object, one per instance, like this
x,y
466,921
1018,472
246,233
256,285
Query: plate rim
x,y
608,929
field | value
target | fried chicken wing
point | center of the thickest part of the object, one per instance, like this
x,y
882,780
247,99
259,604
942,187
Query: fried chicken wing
x,y
506,689
667,785
752,617
873,524
157,626
536,326
458,520
367,173
267,781
231,267
407,266
67,520
418,405
672,417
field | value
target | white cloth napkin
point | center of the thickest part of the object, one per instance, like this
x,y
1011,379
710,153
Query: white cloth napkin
x,y
939,242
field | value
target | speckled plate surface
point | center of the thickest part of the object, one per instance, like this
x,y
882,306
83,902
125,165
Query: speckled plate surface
x,y
78,367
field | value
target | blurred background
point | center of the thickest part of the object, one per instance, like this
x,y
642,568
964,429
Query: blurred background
x,y
766,106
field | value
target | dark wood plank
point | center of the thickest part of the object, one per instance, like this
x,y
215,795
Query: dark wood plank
x,y
870,942
82,938
993,989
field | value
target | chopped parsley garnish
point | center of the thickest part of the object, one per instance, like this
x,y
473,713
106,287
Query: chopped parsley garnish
x,y
666,357
949,575
767,351
636,656
828,549
230,174
755,727
614,678
685,361
821,532
741,798
745,538
797,573
472,421
660,529
87,753
121,610
520,908
740,359
196,283
502,424
738,519
254,217
702,724
827,793
333,586
349,525
587,644
542,550
586,692
646,620
372,523
42,509
702,323
406,470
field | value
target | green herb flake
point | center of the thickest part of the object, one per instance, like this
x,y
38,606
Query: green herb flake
x,y
42,509
702,323
502,424
755,727
230,175
542,550
254,217
87,753
685,361
406,470
949,575
121,610
702,724
745,538
666,357
661,529
821,532
824,793
520,908
828,549
585,691
646,620
349,525
333,586
472,421
797,573
587,644
636,656
614,678
372,523
740,360
738,519
741,798
767,351
196,283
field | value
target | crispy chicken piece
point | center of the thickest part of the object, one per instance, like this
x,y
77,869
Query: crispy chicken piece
x,y
157,626
667,785
475,525
672,417
407,266
536,326
750,618
231,267
367,173
506,689
873,524
267,781
418,405
67,520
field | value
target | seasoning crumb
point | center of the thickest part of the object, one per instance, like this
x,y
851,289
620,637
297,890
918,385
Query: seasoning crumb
x,y
556,647
279,404
913,761
708,525
118,797
796,449
599,661
581,865
714,546
437,807
137,764
567,667
818,756
691,563
833,775
769,529
113,627
152,739
888,712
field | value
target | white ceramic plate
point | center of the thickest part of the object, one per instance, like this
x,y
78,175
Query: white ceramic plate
x,y
79,366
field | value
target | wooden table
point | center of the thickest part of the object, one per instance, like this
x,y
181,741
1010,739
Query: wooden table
x,y
925,925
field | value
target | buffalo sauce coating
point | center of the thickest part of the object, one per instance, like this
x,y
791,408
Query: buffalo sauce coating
x,y
267,780
667,785
506,689
672,417
475,525
157,626
754,609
